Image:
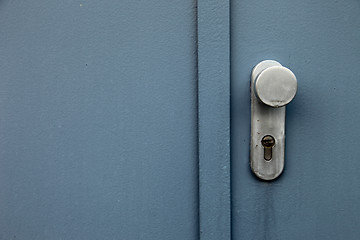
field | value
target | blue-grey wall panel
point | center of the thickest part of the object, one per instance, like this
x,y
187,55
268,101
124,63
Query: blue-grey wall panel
x,y
317,197
98,120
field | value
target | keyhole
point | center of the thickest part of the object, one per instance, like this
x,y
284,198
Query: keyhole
x,y
268,142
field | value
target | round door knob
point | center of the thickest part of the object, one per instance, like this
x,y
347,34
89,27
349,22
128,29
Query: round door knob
x,y
276,86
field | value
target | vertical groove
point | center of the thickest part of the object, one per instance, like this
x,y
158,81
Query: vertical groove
x,y
197,116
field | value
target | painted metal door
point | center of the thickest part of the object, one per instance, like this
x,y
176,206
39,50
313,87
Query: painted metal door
x,y
317,196
98,120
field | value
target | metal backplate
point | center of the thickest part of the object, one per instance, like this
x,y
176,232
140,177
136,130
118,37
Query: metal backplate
x,y
265,121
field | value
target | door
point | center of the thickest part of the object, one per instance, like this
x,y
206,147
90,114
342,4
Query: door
x,y
98,120
317,195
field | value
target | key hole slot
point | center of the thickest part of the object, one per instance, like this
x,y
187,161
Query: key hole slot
x,y
268,143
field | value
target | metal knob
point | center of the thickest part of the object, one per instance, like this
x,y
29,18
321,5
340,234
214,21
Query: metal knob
x,y
276,86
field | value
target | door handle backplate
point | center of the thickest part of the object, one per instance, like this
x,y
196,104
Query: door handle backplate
x,y
272,88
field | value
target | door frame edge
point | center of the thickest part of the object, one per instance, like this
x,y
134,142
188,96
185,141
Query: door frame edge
x,y
213,64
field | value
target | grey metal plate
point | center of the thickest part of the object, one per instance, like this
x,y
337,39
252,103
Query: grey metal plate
x,y
266,120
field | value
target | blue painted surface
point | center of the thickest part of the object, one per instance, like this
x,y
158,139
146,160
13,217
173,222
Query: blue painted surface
x,y
98,120
214,119
317,197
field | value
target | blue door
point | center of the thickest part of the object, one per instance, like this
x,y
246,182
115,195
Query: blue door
x,y
317,195
114,120
98,120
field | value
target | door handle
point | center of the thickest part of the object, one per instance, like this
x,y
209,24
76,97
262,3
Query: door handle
x,y
272,88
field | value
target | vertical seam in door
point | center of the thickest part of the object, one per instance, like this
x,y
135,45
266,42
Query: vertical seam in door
x,y
197,117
